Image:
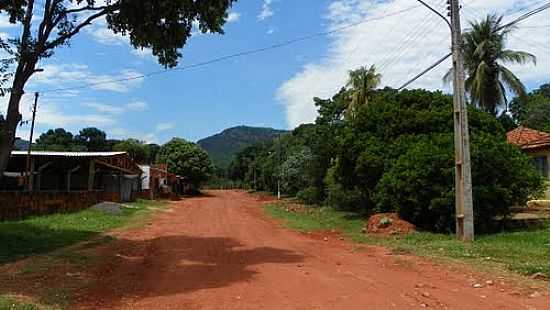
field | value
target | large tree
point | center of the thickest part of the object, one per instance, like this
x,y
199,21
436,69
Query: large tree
x,y
186,159
485,54
136,149
95,140
58,140
162,25
361,82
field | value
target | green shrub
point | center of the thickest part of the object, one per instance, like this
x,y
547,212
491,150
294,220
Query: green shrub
x,y
420,186
339,197
309,196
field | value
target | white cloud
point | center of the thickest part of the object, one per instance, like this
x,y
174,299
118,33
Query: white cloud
x,y
75,75
400,46
104,108
267,11
233,17
106,36
165,126
51,114
5,22
138,106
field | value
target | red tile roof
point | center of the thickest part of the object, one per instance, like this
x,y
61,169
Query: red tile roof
x,y
528,139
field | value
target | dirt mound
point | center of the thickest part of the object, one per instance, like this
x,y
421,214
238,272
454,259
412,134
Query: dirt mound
x,y
388,224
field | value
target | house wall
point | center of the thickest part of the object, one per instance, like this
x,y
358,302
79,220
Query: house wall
x,y
20,205
545,153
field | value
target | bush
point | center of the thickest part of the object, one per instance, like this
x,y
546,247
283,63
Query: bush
x,y
339,197
420,186
309,196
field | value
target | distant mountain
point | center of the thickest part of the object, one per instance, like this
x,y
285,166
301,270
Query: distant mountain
x,y
223,146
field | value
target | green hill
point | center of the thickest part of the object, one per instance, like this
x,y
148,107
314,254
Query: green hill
x,y
223,146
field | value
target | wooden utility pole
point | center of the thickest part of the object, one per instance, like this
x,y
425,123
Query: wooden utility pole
x,y
28,167
463,169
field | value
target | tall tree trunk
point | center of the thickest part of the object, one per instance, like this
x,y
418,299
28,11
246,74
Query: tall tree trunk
x,y
28,57
7,134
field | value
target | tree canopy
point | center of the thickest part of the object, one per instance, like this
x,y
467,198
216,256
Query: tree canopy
x,y
186,159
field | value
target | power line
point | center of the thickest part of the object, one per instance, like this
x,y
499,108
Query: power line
x,y
235,55
510,24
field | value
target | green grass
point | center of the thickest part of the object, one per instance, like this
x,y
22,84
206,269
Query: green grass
x,y
523,252
9,303
44,234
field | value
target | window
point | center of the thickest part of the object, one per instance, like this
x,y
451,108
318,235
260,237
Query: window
x,y
541,163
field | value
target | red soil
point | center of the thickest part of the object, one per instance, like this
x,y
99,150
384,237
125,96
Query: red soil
x,y
221,252
388,224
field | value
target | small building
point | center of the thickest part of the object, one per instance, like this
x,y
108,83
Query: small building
x,y
537,145
157,182
114,174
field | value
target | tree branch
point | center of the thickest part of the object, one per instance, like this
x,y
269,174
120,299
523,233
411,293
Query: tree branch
x,y
62,38
86,8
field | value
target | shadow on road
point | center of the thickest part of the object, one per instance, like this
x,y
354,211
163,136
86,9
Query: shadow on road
x,y
177,264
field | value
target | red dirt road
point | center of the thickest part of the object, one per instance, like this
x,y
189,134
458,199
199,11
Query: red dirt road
x,y
221,252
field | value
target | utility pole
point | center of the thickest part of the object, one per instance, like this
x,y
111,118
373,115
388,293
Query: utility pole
x,y
463,169
28,167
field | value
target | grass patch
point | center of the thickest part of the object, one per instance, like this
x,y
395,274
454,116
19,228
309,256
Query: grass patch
x,y
38,235
9,303
523,252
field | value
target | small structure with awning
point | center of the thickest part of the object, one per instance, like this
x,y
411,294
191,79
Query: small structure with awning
x,y
114,174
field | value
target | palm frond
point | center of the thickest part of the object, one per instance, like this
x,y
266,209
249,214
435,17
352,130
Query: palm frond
x,y
517,57
511,81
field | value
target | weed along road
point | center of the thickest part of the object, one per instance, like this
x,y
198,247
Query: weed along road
x,y
220,251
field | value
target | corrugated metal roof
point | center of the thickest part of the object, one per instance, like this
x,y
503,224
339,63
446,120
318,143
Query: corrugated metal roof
x,y
68,154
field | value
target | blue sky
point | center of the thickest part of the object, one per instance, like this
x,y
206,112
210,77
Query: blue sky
x,y
193,103
272,89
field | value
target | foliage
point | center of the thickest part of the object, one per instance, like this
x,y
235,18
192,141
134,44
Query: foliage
x,y
485,54
406,164
295,171
136,149
186,159
309,195
533,109
420,185
93,139
58,140
396,154
224,146
361,83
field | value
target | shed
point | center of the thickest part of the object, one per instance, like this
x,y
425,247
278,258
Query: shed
x,y
113,173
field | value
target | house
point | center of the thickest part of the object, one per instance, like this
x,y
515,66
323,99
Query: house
x,y
114,175
537,145
157,182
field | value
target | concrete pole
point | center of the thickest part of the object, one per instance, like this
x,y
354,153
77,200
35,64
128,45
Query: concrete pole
x,y
463,171
28,167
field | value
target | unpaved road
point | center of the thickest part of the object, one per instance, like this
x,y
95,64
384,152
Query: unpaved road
x,y
221,252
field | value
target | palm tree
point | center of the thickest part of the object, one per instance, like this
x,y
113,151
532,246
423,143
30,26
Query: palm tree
x,y
488,80
361,82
